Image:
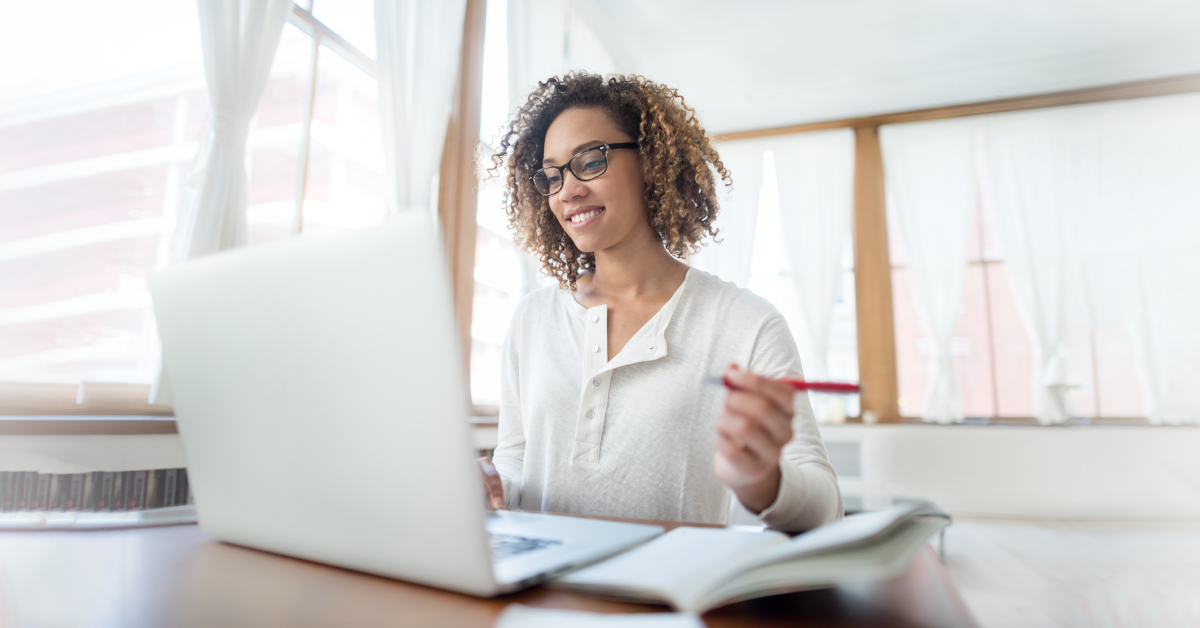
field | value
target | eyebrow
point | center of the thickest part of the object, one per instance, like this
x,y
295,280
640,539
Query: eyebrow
x,y
582,147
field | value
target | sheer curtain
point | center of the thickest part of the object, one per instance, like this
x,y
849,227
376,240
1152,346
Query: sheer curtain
x,y
1042,179
537,46
931,187
549,38
1105,199
730,258
816,195
1138,241
537,32
1097,204
418,43
239,39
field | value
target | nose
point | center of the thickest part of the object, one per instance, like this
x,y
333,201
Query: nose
x,y
572,188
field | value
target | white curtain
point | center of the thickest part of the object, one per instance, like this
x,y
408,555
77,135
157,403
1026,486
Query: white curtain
x,y
549,38
1138,241
737,220
815,172
1097,205
239,39
537,45
1042,180
931,188
419,44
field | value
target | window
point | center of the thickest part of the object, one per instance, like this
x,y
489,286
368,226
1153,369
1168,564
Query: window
x,y
993,353
94,149
95,153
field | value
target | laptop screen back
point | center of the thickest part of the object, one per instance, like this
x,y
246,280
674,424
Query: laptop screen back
x,y
321,405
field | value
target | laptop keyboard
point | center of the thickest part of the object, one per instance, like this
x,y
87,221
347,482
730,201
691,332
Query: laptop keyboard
x,y
505,546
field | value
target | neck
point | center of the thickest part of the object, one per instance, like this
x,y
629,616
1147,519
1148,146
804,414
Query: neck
x,y
637,267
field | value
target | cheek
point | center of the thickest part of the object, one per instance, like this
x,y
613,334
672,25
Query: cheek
x,y
554,209
632,197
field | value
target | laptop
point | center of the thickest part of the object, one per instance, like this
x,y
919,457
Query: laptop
x,y
321,404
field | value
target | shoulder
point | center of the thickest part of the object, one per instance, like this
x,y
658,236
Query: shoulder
x,y
726,300
541,298
743,323
539,305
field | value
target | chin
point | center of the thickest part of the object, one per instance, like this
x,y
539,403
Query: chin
x,y
585,245
593,244
585,248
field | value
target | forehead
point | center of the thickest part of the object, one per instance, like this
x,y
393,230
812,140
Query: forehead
x,y
578,126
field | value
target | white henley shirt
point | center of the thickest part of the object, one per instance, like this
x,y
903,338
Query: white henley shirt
x,y
633,436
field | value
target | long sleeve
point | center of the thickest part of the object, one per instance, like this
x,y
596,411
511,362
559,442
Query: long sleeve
x,y
509,456
808,492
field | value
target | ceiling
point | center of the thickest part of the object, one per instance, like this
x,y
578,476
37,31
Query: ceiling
x,y
756,64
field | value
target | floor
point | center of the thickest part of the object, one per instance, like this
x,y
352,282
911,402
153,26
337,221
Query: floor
x,y
1017,573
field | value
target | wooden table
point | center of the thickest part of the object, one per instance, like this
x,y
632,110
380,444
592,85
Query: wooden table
x,y
178,576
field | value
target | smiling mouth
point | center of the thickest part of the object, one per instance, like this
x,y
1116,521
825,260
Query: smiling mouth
x,y
583,217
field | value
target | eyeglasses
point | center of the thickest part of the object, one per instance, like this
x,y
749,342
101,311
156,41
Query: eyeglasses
x,y
586,166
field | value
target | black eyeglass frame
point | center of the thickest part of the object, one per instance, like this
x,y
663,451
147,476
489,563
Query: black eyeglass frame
x,y
603,148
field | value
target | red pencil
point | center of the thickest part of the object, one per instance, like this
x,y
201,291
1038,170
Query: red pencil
x,y
798,384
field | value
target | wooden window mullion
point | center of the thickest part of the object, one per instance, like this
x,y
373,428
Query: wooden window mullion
x,y
873,281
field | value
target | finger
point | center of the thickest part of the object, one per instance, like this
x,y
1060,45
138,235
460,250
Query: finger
x,y
762,412
496,490
746,466
780,394
739,457
492,482
765,414
753,439
746,434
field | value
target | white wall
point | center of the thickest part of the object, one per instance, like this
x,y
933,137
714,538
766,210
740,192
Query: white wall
x,y
83,454
1087,472
1091,472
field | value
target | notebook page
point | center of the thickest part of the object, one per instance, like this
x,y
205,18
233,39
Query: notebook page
x,y
849,531
677,566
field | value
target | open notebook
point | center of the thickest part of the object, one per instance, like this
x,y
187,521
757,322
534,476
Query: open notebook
x,y
695,569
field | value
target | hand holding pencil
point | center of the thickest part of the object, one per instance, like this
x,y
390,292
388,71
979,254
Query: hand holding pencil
x,y
754,425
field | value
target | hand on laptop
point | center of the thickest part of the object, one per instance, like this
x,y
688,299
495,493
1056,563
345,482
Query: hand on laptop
x,y
754,425
491,481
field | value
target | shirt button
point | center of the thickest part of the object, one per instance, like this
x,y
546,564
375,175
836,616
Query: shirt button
x,y
595,349
596,382
591,414
595,319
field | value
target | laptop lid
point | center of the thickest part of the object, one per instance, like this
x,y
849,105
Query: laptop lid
x,y
321,405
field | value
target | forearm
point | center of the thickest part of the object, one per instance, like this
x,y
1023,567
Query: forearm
x,y
808,497
759,496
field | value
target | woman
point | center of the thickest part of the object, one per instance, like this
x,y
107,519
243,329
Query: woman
x,y
603,410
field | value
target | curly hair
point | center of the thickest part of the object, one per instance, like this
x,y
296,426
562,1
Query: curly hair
x,y
678,163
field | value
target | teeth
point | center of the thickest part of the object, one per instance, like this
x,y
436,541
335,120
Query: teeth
x,y
578,218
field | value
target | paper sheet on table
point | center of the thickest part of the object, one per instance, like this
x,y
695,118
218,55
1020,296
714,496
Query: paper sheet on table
x,y
519,616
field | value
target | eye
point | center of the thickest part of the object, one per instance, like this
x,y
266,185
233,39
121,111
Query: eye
x,y
590,163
